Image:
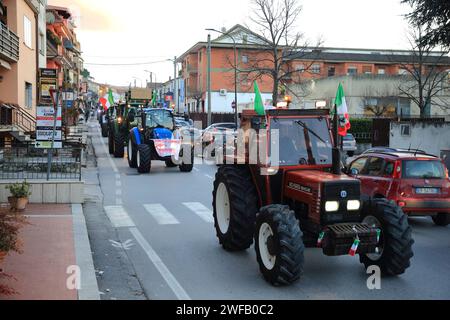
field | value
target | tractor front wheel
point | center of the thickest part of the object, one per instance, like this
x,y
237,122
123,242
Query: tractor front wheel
x,y
394,250
110,143
187,167
235,206
119,146
144,158
279,245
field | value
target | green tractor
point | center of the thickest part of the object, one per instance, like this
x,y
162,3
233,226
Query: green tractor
x,y
119,126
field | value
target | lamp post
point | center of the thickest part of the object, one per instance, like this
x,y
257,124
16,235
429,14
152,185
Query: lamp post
x,y
235,72
151,77
136,78
175,84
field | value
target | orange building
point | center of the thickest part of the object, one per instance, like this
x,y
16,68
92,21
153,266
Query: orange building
x,y
19,56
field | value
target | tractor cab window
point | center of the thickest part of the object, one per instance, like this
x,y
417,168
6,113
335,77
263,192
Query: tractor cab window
x,y
160,119
305,141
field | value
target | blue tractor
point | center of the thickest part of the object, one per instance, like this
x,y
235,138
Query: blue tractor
x,y
155,138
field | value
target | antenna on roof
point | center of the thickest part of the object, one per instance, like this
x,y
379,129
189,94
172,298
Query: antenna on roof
x,y
418,149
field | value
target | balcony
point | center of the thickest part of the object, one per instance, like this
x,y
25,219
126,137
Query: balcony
x,y
9,44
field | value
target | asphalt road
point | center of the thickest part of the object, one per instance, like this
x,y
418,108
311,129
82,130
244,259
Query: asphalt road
x,y
164,223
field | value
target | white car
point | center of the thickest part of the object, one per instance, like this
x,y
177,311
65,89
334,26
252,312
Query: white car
x,y
350,145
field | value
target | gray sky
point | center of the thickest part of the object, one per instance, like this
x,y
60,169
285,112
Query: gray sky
x,y
140,31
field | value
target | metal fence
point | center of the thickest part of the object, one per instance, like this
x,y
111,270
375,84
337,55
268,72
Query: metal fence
x,y
29,163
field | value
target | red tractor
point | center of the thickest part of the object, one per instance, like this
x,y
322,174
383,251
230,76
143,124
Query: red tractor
x,y
295,197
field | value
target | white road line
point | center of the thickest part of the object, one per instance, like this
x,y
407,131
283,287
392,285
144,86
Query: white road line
x,y
176,287
196,169
161,215
200,210
118,183
119,217
119,192
209,177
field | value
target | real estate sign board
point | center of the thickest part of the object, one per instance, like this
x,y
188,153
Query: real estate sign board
x,y
45,125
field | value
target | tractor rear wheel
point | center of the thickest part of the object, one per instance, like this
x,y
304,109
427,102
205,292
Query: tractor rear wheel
x,y
132,153
110,143
395,244
235,205
119,146
279,245
144,158
441,219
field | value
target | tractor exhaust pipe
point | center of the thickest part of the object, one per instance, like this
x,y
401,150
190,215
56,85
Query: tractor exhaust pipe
x,y
336,151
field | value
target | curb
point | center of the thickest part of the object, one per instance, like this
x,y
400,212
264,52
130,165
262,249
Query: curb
x,y
89,287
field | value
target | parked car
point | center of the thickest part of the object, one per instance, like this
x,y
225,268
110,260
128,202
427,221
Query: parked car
x,y
350,145
212,133
186,128
418,182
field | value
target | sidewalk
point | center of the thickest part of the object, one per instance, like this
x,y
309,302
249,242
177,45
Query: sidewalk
x,y
55,240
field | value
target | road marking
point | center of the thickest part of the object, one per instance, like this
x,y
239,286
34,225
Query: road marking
x,y
127,245
200,210
176,287
118,183
161,215
119,217
196,169
119,192
209,177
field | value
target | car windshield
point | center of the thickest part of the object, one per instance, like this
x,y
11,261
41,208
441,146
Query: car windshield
x,y
160,118
302,141
417,169
349,137
223,126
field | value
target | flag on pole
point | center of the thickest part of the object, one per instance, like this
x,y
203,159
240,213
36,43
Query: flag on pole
x,y
259,106
104,102
110,98
342,110
154,98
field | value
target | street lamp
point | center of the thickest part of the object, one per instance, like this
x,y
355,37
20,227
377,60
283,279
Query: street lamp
x,y
235,71
151,77
136,78
175,84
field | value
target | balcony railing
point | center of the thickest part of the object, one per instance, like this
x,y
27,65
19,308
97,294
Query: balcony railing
x,y
9,44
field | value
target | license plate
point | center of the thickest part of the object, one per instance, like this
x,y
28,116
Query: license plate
x,y
427,190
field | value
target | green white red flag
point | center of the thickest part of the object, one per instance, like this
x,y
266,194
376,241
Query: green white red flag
x,y
342,111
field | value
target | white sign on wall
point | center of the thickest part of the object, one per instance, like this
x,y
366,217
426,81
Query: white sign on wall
x,y
45,123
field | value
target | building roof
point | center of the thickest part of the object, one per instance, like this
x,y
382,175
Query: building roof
x,y
369,56
62,11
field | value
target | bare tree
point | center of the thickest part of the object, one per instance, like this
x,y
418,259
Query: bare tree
x,y
275,47
425,77
379,102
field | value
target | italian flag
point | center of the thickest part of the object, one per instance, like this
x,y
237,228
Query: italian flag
x,y
342,112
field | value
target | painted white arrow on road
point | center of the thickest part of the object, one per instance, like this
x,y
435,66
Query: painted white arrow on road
x,y
127,245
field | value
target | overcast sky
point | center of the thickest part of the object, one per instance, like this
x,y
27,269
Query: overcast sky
x,y
141,31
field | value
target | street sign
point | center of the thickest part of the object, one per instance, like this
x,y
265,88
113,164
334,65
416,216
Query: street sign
x,y
48,80
68,97
45,123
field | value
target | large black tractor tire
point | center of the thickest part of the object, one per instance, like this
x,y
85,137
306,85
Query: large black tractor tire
x,y
170,164
110,142
235,204
187,167
104,130
119,146
132,153
442,219
395,239
144,159
279,245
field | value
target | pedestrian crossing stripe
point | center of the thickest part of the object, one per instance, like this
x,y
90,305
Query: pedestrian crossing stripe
x,y
202,211
119,217
160,214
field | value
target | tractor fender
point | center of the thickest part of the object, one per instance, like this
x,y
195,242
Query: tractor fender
x,y
137,136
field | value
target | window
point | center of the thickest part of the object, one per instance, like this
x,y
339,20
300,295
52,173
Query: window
x,y
359,165
381,71
331,71
28,95
416,169
244,59
315,68
367,69
27,32
402,72
300,68
405,130
375,167
352,71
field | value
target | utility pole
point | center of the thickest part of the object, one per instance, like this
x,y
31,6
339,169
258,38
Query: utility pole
x,y
209,82
175,85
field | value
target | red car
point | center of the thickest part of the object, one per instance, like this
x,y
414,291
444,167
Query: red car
x,y
416,181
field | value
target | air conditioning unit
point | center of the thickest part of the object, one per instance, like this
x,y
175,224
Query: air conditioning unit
x,y
223,92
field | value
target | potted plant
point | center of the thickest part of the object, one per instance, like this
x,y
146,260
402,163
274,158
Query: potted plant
x,y
19,195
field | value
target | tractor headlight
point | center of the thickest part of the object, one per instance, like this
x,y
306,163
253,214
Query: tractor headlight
x,y
331,206
353,205
119,120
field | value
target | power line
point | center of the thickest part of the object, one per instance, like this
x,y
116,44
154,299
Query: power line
x,y
125,64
